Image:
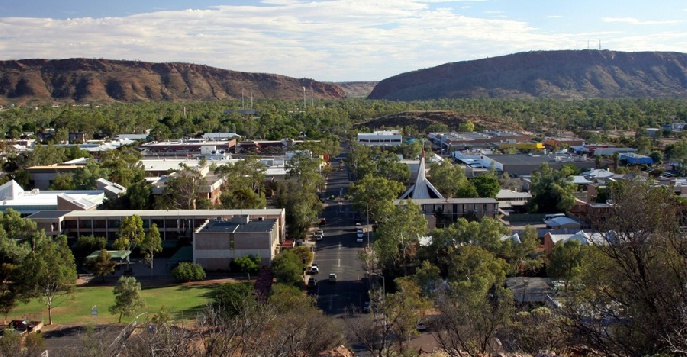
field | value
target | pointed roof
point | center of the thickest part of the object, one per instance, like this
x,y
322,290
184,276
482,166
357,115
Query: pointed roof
x,y
422,187
10,191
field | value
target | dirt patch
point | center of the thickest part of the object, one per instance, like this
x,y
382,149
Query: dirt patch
x,y
191,284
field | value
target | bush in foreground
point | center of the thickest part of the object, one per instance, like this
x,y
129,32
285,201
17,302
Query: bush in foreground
x,y
188,272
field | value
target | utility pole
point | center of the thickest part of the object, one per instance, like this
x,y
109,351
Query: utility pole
x,y
304,102
368,223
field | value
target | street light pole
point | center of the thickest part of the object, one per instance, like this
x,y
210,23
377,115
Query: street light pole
x,y
368,222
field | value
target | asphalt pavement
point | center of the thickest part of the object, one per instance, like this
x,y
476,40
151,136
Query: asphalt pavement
x,y
339,253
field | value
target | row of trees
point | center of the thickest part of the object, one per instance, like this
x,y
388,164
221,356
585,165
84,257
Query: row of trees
x,y
279,119
34,265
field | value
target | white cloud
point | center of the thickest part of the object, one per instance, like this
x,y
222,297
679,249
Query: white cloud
x,y
634,21
325,40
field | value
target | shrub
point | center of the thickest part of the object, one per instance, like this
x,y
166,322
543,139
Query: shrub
x,y
188,272
247,264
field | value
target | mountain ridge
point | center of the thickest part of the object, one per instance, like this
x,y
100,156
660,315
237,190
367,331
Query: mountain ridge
x,y
565,74
83,80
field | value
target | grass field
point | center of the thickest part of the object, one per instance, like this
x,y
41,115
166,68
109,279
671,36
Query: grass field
x,y
182,300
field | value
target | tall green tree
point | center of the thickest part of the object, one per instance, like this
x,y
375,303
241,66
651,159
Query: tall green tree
x,y
86,177
487,185
128,299
130,234
85,245
102,265
288,268
551,190
245,173
151,244
48,272
397,235
243,198
403,310
476,305
183,190
138,196
389,165
450,180
63,182
375,194
232,299
565,261
634,275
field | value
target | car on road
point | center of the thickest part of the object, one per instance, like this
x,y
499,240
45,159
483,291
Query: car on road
x,y
312,283
359,232
332,278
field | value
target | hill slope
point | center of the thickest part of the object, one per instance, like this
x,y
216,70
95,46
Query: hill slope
x,y
357,89
546,74
98,80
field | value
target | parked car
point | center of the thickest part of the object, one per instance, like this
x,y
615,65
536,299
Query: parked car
x,y
314,268
366,307
312,283
332,278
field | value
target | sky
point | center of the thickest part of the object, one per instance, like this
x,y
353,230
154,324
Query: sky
x,y
332,40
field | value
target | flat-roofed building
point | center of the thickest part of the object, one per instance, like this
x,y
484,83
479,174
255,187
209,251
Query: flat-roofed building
x,y
381,138
172,224
12,196
186,148
218,242
41,177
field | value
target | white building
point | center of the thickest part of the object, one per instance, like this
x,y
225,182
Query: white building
x,y
381,138
29,202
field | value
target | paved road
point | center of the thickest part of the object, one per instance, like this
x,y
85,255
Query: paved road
x,y
339,253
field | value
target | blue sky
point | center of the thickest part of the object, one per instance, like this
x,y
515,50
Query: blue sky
x,y
332,40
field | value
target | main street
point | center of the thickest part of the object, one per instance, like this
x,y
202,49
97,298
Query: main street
x,y
339,252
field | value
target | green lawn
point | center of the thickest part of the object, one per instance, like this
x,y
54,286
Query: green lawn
x,y
183,301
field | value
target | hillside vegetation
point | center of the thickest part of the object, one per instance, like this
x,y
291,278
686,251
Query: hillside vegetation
x,y
546,74
104,81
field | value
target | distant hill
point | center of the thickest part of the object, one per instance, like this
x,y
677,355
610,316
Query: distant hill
x,y
101,81
357,89
573,74
422,119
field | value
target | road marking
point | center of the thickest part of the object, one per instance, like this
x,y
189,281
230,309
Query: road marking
x,y
338,264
